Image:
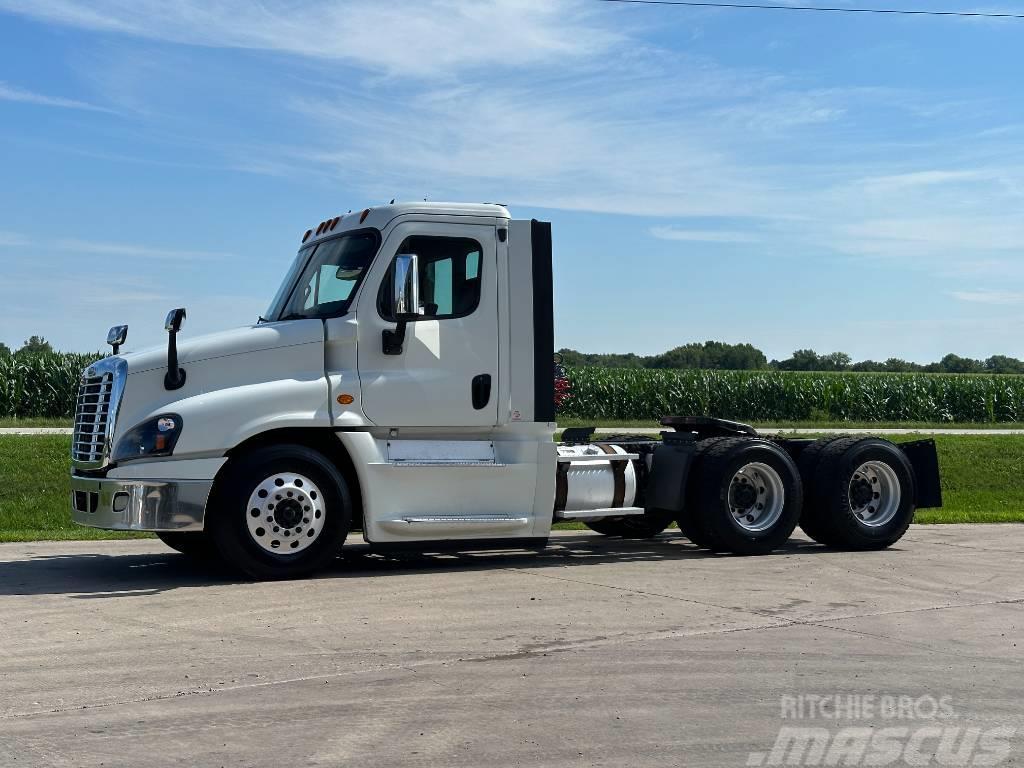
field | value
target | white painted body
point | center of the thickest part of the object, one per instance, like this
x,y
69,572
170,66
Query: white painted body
x,y
428,464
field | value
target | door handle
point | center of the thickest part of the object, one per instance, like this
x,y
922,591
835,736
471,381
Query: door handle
x,y
481,390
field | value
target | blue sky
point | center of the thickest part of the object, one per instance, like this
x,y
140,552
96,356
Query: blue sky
x,y
791,179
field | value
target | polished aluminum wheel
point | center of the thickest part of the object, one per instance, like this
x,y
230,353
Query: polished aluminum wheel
x,y
285,513
757,497
874,493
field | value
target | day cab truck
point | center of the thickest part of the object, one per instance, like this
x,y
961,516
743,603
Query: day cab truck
x,y
402,385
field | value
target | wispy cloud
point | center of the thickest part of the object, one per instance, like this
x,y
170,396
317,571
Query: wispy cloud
x,y
990,296
427,39
559,104
704,235
10,92
138,251
12,240
100,248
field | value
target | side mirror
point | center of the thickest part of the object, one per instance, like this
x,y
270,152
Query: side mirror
x,y
116,336
175,376
175,319
405,288
405,300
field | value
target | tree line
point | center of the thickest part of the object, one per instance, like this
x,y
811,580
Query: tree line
x,y
746,357
722,356
33,345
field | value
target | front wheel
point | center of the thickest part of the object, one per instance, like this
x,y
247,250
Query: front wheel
x,y
280,512
194,544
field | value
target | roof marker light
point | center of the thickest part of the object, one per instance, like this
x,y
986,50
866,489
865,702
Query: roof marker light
x,y
363,215
334,222
305,237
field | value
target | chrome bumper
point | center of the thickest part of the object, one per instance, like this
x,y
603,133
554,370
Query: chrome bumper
x,y
139,505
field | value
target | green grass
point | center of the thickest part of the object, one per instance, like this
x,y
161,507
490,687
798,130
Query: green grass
x,y
982,482
35,491
40,421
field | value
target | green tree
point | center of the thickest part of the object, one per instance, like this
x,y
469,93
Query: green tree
x,y
34,345
1004,364
835,361
802,360
5,351
955,364
717,355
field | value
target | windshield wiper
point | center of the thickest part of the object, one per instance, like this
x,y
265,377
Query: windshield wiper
x,y
293,316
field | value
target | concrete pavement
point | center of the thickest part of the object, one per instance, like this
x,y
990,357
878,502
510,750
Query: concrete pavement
x,y
592,652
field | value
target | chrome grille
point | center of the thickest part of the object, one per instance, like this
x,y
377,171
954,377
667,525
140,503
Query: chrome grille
x,y
98,396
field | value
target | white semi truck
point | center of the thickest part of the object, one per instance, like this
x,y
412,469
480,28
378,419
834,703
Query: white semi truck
x,y
402,385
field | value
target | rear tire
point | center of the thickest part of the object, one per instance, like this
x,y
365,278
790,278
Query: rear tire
x,y
645,526
280,512
864,496
745,496
194,544
807,462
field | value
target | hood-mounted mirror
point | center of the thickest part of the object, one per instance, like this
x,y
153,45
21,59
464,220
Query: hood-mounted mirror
x,y
175,376
116,336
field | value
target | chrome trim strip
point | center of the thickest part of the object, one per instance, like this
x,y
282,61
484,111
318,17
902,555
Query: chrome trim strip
x,y
102,421
148,505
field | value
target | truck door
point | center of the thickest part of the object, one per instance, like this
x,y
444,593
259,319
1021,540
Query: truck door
x,y
447,371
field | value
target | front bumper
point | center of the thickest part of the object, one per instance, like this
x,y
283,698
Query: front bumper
x,y
139,505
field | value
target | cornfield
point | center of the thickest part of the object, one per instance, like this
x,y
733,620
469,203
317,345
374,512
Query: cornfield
x,y
45,385
36,385
646,395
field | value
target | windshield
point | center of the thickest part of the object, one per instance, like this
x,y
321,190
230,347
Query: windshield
x,y
323,278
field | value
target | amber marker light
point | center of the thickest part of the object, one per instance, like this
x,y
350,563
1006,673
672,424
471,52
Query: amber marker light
x,y
346,399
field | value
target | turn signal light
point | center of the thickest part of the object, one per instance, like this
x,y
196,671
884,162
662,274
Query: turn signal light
x,y
346,399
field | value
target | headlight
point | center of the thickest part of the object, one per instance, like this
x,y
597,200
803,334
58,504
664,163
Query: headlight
x,y
155,437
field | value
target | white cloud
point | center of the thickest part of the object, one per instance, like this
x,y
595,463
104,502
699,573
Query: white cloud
x,y
557,104
703,235
10,92
140,251
12,240
427,38
990,297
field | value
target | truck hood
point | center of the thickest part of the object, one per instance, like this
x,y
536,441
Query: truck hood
x,y
236,341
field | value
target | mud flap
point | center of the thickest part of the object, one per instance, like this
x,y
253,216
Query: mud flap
x,y
925,460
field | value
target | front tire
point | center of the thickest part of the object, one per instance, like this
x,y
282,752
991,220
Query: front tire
x,y
280,512
194,544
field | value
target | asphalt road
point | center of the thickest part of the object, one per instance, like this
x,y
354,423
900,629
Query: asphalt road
x,y
593,652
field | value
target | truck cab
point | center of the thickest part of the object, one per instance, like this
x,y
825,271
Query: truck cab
x,y
402,384
410,345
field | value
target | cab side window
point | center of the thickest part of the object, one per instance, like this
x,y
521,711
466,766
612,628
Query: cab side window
x,y
449,276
